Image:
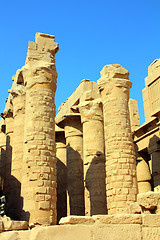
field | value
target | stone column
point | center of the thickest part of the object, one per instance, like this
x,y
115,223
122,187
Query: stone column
x,y
120,155
39,159
8,162
74,148
143,175
18,102
93,154
61,174
18,135
134,115
2,153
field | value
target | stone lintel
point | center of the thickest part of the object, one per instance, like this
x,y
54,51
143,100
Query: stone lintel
x,y
66,119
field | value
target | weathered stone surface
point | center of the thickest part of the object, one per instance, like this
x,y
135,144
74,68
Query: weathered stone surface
x,y
9,224
144,187
157,188
134,115
151,220
117,231
148,200
74,152
15,235
143,173
1,225
119,219
151,233
114,86
135,208
76,220
93,153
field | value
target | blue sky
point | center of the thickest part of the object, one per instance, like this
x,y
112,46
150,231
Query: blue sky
x,y
90,34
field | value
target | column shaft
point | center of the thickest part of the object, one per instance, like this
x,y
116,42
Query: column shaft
x,y
93,157
120,155
61,176
74,148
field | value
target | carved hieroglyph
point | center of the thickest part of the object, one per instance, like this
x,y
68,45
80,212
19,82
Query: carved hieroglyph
x,y
121,180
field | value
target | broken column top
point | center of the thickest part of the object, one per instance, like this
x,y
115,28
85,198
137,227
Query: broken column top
x,y
112,72
44,43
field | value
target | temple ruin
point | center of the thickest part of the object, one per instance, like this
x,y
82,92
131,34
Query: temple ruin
x,y
91,164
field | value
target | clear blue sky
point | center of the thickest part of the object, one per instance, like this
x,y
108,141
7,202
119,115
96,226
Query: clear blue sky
x,y
90,34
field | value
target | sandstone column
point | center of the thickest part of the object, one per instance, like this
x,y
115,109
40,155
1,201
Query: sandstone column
x,y
2,153
93,154
74,148
61,174
121,180
39,159
143,175
7,190
18,101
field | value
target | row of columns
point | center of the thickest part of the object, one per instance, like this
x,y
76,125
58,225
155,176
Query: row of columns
x,y
106,147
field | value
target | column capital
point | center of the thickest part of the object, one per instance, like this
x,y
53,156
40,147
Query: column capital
x,y
71,124
91,110
114,78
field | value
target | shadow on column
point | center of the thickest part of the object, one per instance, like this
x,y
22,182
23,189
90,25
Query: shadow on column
x,y
75,184
154,148
61,190
12,187
95,181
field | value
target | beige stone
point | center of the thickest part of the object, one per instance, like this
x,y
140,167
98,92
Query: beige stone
x,y
134,115
114,87
119,219
143,173
149,233
151,220
117,231
148,200
76,220
135,208
15,225
93,153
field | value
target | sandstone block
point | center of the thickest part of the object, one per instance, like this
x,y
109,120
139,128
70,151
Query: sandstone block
x,y
1,225
44,205
135,208
144,187
9,236
76,220
41,190
148,200
117,232
9,224
151,220
77,232
119,219
150,233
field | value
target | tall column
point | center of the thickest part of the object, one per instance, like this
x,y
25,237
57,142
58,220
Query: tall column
x,y
18,102
143,175
121,180
61,174
2,153
7,191
74,148
39,159
93,155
